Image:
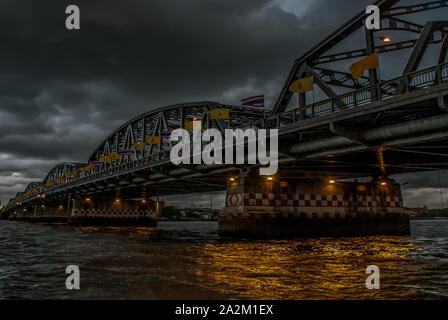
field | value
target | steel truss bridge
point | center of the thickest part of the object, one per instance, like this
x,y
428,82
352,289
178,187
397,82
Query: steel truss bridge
x,y
375,128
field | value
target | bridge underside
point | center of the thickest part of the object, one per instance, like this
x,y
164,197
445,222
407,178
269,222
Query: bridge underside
x,y
401,135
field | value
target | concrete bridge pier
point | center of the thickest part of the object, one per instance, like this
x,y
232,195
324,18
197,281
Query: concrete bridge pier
x,y
258,206
23,213
49,212
116,211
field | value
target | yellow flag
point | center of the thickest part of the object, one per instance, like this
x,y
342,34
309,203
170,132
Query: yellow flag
x,y
358,68
189,124
114,156
222,113
88,167
104,159
139,146
302,85
153,140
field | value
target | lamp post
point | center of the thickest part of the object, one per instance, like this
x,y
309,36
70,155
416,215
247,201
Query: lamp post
x,y
385,39
403,193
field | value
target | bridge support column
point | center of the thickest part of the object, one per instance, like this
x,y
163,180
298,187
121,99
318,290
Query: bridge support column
x,y
95,211
50,212
268,207
23,213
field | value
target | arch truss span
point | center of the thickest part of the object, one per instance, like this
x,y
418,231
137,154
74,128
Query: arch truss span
x,y
32,186
62,173
131,142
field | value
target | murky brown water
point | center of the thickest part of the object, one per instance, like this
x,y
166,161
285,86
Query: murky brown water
x,y
190,261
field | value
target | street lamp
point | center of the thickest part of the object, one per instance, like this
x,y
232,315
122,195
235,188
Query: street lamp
x,y
385,39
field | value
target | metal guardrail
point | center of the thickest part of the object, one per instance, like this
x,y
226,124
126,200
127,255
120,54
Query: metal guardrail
x,y
382,91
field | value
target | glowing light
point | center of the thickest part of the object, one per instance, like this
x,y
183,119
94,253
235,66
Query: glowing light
x,y
87,199
232,179
270,178
332,181
384,183
284,184
386,39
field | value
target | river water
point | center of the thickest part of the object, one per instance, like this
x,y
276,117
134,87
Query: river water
x,y
189,260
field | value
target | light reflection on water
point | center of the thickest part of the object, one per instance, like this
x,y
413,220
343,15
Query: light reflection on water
x,y
190,261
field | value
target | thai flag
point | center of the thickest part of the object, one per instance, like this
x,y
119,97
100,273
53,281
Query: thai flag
x,y
254,102
125,152
167,134
97,163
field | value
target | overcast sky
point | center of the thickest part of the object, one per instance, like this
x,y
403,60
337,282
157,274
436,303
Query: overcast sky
x,y
62,92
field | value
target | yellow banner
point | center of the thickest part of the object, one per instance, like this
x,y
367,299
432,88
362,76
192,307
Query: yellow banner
x,y
114,156
153,140
302,85
189,124
140,146
222,113
358,68
104,159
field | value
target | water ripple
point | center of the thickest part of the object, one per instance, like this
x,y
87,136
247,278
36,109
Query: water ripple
x,y
191,261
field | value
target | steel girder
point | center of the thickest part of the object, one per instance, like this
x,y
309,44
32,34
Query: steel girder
x,y
61,170
155,123
327,76
32,186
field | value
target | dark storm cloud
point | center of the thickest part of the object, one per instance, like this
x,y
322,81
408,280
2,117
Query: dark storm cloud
x,y
62,92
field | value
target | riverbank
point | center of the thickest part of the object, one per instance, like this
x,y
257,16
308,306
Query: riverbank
x,y
428,218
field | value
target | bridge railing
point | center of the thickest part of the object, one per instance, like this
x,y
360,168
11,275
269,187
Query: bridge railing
x,y
381,91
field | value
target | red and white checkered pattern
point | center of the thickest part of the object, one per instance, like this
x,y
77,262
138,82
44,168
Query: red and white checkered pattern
x,y
308,215
104,213
53,214
309,201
